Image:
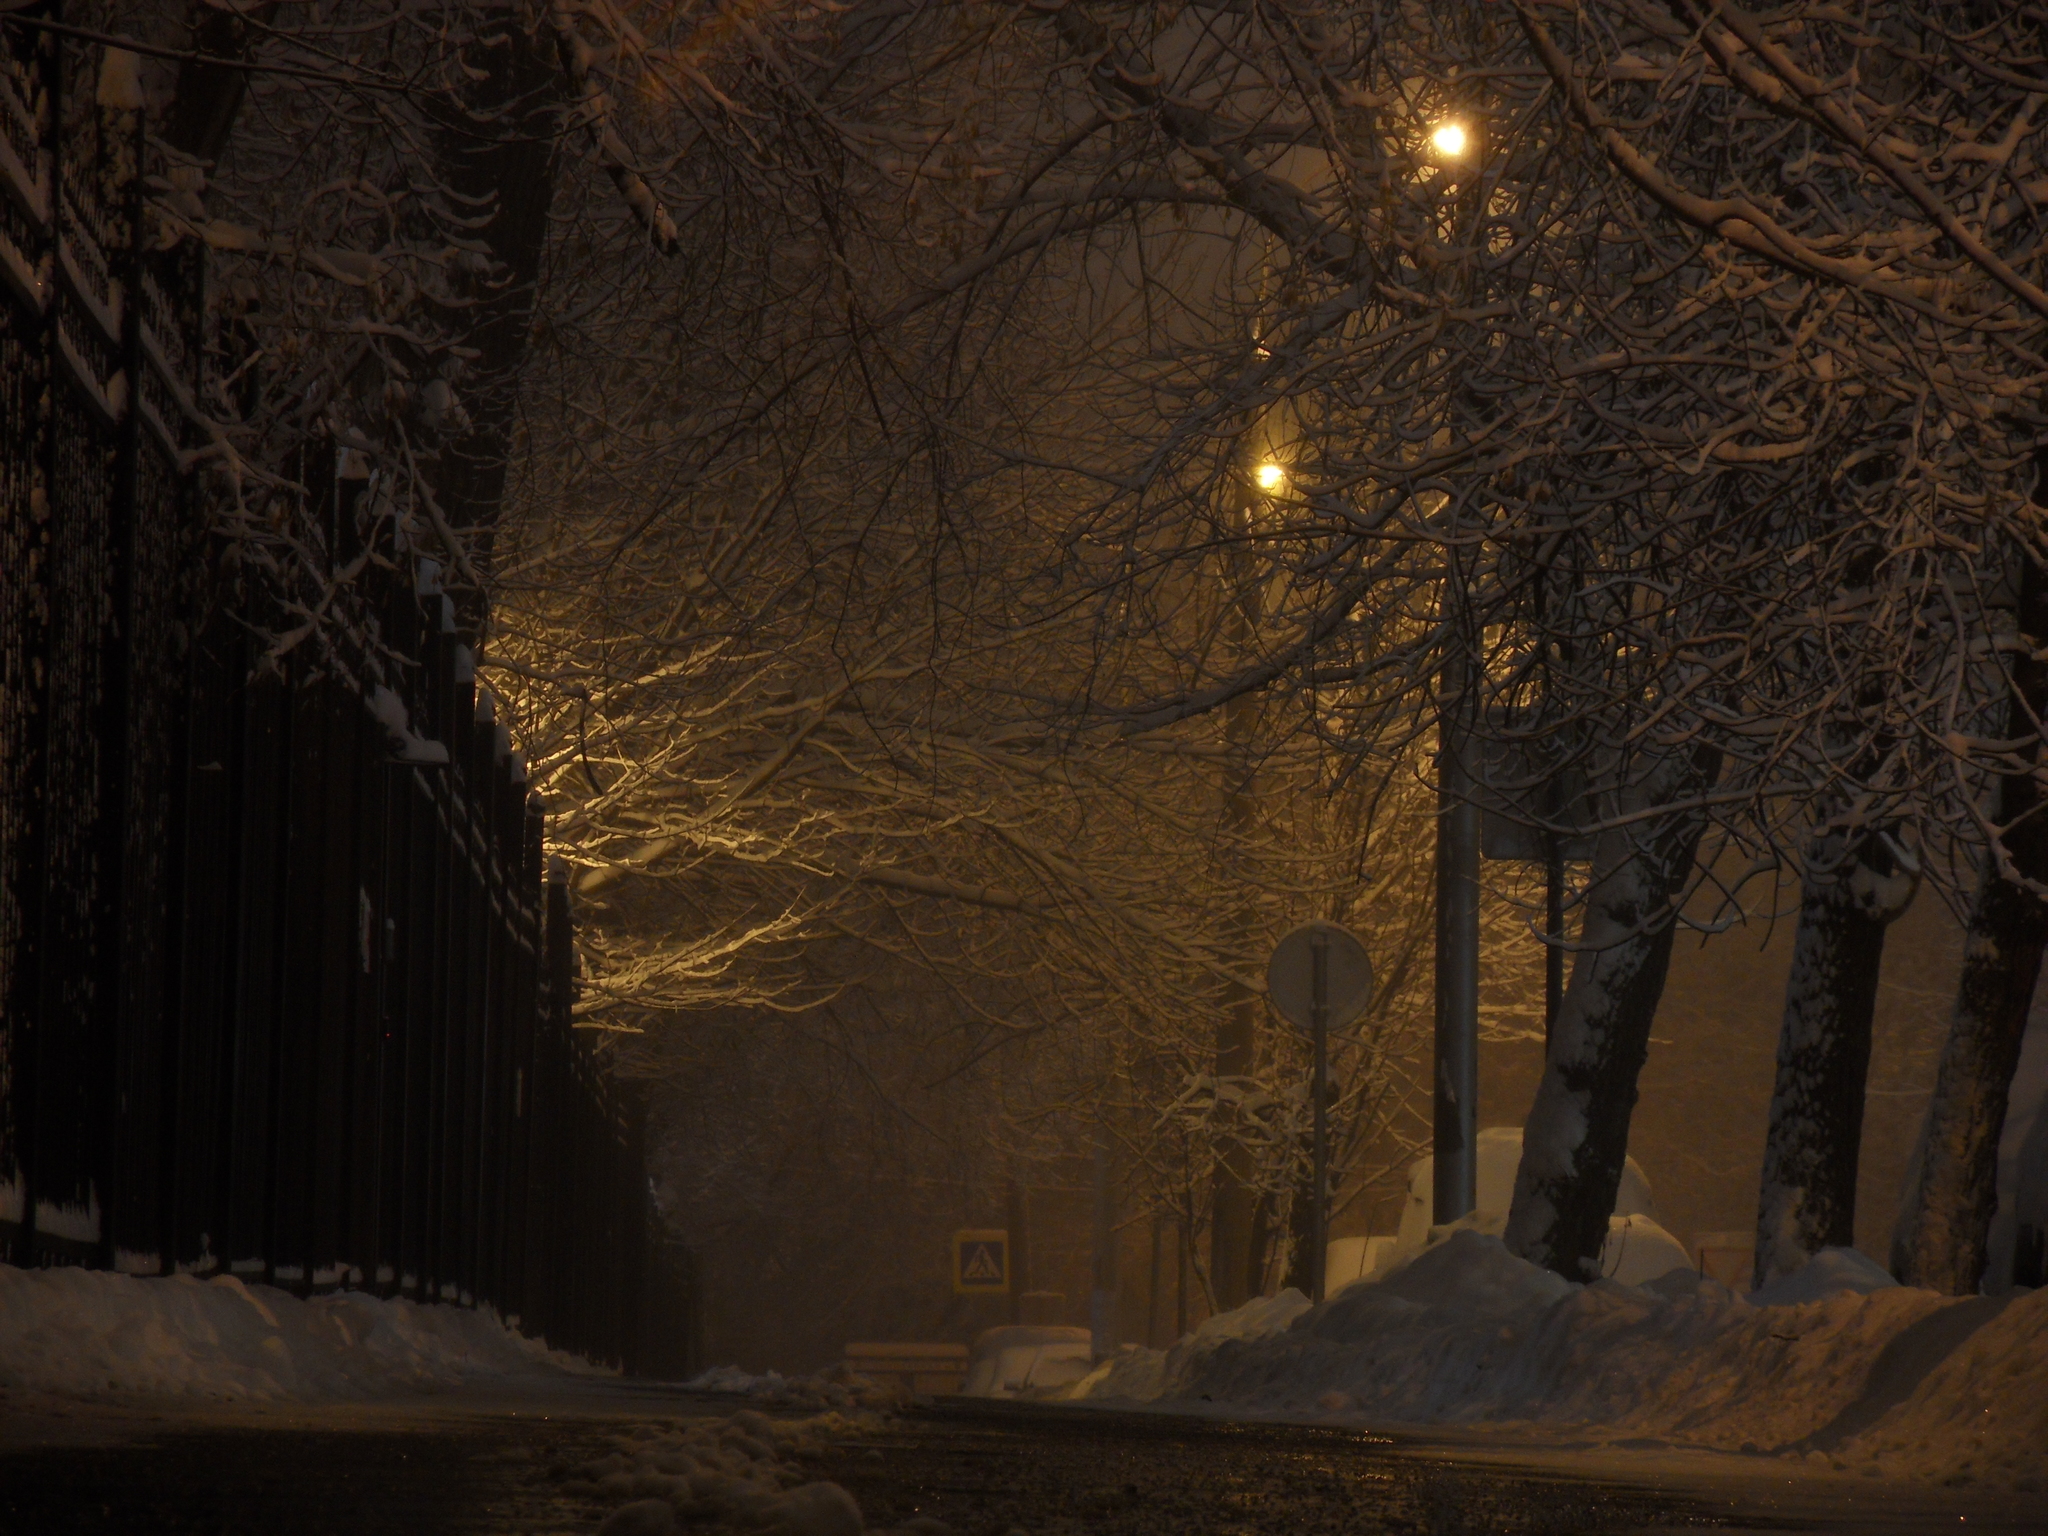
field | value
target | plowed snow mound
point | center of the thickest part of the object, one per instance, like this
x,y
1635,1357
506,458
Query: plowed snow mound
x,y
90,1333
1468,1332
1982,1413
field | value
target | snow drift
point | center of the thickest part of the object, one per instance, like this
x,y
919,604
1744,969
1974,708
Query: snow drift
x,y
1150,1374
1843,1367
92,1333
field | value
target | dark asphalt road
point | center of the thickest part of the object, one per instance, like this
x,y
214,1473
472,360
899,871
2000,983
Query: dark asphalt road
x,y
1063,1473
985,1470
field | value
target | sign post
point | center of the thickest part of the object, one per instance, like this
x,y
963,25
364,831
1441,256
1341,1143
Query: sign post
x,y
1320,978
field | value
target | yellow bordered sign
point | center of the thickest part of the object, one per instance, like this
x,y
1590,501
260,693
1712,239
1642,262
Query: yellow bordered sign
x,y
981,1261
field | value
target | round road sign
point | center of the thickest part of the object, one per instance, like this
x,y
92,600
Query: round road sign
x,y
1347,975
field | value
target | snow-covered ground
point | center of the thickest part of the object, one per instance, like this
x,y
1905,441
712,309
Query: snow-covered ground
x,y
92,1333
743,1470
1836,1362
834,1389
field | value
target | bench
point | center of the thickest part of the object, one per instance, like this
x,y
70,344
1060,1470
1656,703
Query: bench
x,y
927,1369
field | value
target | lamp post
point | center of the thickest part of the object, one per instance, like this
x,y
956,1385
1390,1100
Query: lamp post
x,y
1455,1123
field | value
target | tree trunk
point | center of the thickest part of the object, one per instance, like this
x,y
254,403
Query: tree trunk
x,y
2030,1237
201,117
1104,1324
1233,1210
1807,1200
1952,1189
1576,1139
1235,1200
496,152
1259,1251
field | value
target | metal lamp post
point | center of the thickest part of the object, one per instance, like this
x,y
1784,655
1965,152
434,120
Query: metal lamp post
x,y
1456,1077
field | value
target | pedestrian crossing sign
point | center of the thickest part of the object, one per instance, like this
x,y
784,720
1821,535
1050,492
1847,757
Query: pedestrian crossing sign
x,y
981,1262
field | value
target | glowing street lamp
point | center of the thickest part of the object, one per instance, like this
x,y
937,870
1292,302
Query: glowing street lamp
x,y
1271,477
1448,139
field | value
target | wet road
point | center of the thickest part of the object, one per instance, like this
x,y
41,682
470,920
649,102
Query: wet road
x,y
474,1466
1148,1475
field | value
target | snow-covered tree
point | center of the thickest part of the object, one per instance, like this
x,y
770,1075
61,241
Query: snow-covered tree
x,y
1022,490
1890,161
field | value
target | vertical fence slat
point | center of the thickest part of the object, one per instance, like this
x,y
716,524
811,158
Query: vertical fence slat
x,y
26,73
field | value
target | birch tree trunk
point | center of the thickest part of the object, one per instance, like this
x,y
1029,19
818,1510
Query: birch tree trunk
x,y
1576,1139
1952,1188
1807,1199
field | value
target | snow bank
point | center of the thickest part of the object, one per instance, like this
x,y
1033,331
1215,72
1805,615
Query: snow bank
x,y
1637,1249
1148,1374
1982,1412
1830,1272
90,1332
1464,1332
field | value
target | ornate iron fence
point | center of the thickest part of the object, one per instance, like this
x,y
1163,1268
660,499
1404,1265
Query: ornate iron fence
x,y
285,990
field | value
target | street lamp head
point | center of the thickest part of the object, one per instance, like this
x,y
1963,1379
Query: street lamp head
x,y
1271,477
1449,140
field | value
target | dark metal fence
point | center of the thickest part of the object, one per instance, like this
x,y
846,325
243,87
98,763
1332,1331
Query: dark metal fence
x,y
285,990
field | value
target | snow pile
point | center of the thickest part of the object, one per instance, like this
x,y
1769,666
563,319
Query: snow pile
x,y
1830,1272
1981,1413
1148,1374
1259,1318
1497,1156
836,1388
90,1332
1638,1251
1465,1331
1637,1248
738,1471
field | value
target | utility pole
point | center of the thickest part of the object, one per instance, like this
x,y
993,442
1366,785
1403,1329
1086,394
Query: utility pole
x,y
1018,1219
